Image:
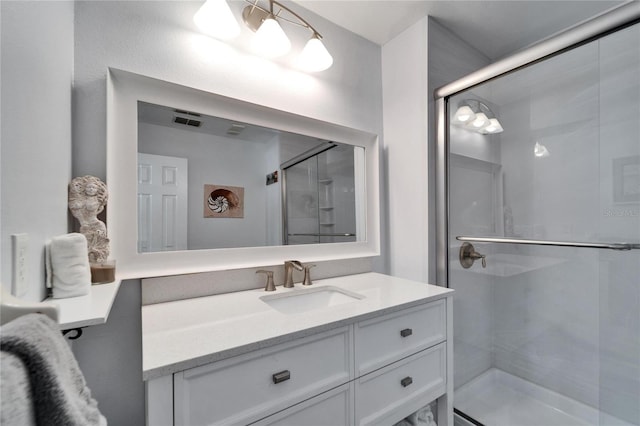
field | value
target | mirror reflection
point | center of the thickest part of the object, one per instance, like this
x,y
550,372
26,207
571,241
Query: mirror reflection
x,y
208,182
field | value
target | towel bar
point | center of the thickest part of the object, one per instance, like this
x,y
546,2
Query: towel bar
x,y
610,246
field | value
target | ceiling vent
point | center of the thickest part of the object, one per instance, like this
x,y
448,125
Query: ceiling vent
x,y
187,118
235,129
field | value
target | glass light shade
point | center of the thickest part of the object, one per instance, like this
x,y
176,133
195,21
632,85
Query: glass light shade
x,y
540,150
464,114
270,40
315,56
215,18
480,121
494,126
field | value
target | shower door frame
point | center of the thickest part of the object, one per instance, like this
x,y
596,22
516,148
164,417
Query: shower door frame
x,y
613,20
313,152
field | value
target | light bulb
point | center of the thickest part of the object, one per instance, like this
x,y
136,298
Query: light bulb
x,y
540,150
215,18
315,56
270,40
493,126
480,121
464,114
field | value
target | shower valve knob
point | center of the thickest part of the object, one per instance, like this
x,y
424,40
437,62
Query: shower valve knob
x,y
468,255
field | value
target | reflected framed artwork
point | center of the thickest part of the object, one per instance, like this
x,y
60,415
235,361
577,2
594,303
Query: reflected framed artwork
x,y
221,201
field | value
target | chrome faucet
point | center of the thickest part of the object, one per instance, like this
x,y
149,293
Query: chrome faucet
x,y
289,265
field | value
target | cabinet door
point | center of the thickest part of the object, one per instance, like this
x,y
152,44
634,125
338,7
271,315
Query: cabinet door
x,y
246,388
334,408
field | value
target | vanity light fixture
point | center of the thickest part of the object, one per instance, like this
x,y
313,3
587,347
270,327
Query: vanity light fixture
x,y
215,18
540,151
476,116
270,39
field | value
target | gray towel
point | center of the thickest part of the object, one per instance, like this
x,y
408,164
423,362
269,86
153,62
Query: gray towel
x,y
41,382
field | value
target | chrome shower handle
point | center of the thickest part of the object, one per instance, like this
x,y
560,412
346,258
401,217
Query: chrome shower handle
x,y
468,255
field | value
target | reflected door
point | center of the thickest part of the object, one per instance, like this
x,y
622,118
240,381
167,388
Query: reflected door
x,y
162,203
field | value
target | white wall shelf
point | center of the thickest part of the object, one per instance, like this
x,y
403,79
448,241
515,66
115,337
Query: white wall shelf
x,y
91,309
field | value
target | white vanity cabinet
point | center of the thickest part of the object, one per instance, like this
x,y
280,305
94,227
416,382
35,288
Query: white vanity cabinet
x,y
374,367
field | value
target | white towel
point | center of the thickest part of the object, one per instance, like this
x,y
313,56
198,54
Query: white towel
x,y
40,381
68,270
422,417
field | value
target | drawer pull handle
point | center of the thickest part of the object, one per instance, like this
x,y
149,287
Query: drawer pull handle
x,y
406,332
406,382
282,376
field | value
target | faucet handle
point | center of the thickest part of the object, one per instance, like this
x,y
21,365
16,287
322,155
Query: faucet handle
x,y
270,286
307,275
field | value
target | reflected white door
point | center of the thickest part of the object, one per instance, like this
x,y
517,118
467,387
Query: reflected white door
x,y
162,203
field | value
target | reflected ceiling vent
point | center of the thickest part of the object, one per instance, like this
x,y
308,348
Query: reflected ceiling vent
x,y
187,118
235,129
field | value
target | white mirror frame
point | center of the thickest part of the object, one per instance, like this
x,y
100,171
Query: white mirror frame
x,y
124,90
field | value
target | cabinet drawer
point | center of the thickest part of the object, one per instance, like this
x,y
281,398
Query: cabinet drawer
x,y
381,341
333,408
392,393
243,389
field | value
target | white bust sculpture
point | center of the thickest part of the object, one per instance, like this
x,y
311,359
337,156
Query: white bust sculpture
x,y
87,199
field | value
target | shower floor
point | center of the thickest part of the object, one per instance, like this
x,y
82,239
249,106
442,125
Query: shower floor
x,y
496,398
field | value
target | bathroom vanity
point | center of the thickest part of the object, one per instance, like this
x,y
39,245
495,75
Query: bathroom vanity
x,y
360,349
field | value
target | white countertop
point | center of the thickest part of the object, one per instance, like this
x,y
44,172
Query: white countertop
x,y
189,333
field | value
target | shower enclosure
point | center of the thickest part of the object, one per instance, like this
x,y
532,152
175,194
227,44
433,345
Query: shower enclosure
x,y
319,196
539,230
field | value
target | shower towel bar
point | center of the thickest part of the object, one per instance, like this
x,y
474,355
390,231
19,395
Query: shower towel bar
x,y
501,240
322,235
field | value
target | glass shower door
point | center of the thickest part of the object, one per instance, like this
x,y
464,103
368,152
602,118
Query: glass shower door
x,y
547,301
302,209
320,197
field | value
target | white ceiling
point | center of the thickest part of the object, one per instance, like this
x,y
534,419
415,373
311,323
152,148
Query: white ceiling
x,y
496,28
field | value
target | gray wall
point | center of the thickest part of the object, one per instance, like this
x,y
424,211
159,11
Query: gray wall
x,y
415,63
421,59
37,76
159,39
404,71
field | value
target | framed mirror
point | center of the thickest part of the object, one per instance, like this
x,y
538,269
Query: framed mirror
x,y
237,215
208,182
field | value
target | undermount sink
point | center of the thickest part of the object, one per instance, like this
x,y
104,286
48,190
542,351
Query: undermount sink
x,y
310,299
